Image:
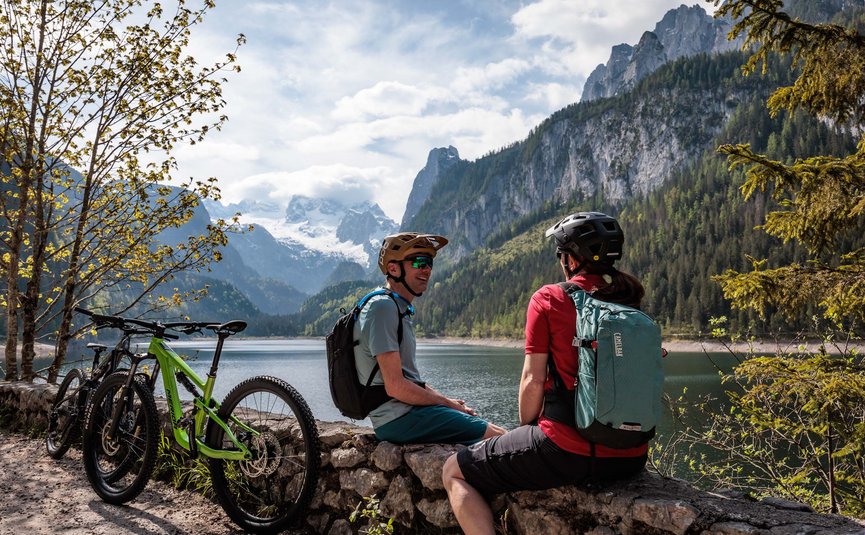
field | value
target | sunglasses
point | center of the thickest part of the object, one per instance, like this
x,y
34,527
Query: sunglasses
x,y
420,262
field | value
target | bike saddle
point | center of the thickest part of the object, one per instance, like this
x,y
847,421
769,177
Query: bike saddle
x,y
96,347
232,327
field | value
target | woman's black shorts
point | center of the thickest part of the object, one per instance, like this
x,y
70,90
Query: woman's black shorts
x,y
525,459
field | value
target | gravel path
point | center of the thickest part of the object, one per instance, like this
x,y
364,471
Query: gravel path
x,y
41,495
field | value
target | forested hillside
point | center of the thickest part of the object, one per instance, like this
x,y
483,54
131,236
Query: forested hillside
x,y
609,149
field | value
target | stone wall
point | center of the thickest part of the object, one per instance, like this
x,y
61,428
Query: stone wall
x,y
407,480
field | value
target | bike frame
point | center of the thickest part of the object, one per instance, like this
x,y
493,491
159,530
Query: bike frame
x,y
170,363
99,369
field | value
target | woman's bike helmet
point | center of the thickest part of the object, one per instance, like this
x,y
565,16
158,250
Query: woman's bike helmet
x,y
593,236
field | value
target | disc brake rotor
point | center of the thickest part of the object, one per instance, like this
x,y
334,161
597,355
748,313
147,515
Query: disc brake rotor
x,y
110,447
266,455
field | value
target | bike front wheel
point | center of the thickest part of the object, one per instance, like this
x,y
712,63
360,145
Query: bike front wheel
x,y
63,421
269,491
118,466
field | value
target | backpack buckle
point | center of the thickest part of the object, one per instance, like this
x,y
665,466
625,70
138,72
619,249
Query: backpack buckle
x,y
582,342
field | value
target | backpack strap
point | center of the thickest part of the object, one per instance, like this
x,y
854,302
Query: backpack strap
x,y
559,403
562,400
384,291
570,288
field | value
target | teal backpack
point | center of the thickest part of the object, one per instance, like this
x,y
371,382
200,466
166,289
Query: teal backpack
x,y
616,399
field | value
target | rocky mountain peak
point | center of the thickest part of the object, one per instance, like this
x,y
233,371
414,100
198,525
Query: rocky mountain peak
x,y
602,77
687,31
684,31
647,56
439,160
365,223
306,209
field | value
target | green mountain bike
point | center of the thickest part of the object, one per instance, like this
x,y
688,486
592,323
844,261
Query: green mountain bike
x,y
261,442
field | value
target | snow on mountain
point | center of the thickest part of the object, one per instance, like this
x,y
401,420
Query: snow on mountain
x,y
364,221
320,226
366,224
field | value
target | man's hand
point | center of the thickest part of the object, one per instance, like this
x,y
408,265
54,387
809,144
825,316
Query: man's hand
x,y
397,386
461,406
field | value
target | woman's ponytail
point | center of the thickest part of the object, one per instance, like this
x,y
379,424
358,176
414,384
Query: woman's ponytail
x,y
623,288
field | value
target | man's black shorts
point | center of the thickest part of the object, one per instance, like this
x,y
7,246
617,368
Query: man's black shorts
x,y
525,459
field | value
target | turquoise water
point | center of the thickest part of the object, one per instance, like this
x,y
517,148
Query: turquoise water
x,y
487,378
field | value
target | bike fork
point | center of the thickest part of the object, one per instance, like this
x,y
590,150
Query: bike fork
x,y
123,400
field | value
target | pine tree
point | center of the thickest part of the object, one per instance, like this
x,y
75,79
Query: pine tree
x,y
821,198
796,426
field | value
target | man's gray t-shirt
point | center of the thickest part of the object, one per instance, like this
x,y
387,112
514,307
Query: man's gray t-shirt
x,y
376,330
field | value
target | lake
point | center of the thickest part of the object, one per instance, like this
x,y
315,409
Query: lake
x,y
487,378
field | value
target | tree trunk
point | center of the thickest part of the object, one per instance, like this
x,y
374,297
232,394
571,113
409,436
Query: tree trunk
x,y
12,294
28,334
30,308
12,322
833,501
59,355
64,332
71,284
26,161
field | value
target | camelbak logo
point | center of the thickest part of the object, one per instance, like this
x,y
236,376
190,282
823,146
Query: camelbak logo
x,y
617,343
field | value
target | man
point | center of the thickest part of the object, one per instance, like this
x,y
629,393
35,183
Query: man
x,y
416,413
547,451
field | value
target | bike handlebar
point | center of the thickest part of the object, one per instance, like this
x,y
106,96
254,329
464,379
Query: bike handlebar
x,y
110,321
117,322
157,328
189,327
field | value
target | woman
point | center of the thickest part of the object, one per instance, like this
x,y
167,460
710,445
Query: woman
x,y
546,451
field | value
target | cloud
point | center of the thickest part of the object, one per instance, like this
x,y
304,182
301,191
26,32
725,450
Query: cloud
x,y
553,95
346,99
226,151
385,99
473,128
490,77
339,182
589,20
579,35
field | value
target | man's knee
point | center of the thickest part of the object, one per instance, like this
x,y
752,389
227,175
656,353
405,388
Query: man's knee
x,y
493,431
451,470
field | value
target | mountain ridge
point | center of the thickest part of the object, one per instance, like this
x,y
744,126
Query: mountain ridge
x,y
608,149
684,31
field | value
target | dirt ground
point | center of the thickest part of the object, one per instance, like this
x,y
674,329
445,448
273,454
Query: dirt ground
x,y
41,495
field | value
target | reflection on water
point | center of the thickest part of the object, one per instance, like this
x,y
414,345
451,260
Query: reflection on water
x,y
487,378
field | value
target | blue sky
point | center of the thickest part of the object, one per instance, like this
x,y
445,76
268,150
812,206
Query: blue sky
x,y
345,99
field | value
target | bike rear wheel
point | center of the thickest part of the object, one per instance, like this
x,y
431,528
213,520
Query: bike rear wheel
x,y
119,467
63,421
270,491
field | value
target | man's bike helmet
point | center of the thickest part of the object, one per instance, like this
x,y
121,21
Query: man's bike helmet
x,y
400,246
593,236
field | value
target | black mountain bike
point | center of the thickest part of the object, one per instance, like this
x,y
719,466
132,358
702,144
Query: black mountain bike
x,y
67,413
